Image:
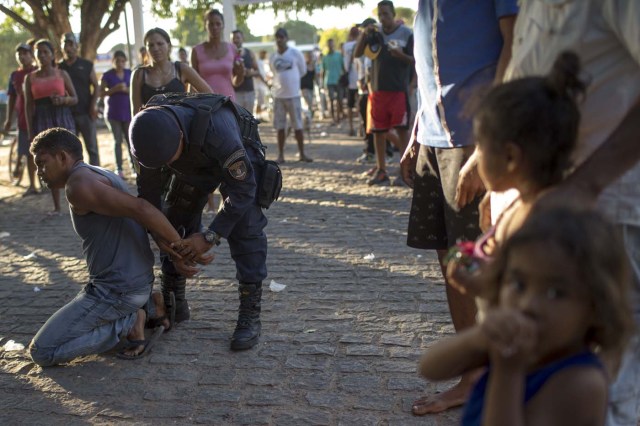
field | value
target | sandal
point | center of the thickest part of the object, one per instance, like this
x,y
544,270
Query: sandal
x,y
157,321
146,344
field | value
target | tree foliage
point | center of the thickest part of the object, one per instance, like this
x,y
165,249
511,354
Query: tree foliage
x,y
338,35
166,8
406,14
190,30
99,18
9,38
299,31
50,19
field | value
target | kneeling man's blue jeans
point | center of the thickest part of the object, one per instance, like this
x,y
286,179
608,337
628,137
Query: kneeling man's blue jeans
x,y
91,323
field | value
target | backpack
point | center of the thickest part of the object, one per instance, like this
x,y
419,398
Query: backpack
x,y
269,180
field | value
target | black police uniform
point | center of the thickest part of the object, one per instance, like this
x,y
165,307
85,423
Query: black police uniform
x,y
226,163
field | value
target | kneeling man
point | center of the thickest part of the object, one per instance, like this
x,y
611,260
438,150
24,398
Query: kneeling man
x,y
111,224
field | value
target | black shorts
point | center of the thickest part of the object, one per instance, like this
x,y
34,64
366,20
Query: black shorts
x,y
435,222
352,95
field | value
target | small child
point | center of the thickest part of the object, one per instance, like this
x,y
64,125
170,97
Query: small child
x,y
525,131
557,295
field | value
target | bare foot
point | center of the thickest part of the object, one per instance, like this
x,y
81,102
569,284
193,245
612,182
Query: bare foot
x,y
136,333
304,158
280,159
161,309
439,402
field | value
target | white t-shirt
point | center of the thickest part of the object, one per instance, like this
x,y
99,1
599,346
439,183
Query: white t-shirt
x,y
347,55
288,68
605,36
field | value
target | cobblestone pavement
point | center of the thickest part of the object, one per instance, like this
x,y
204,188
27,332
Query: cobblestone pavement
x,y
340,343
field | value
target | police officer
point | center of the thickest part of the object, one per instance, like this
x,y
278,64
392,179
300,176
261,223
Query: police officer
x,y
160,139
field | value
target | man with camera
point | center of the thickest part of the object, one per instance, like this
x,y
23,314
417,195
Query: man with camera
x,y
390,47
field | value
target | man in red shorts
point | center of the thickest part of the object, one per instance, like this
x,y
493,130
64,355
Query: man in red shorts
x,y
390,46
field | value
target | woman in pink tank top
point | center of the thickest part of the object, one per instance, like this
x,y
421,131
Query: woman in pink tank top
x,y
48,94
216,60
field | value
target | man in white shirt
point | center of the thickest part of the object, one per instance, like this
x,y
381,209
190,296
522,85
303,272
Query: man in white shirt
x,y
288,67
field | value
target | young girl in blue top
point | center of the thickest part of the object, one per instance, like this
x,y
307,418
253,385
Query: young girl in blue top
x,y
557,297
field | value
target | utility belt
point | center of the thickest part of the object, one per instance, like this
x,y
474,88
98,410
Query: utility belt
x,y
184,196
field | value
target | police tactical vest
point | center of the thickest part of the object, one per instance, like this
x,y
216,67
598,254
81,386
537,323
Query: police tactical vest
x,y
269,179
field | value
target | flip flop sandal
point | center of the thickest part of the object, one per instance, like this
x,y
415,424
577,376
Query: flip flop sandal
x,y
157,322
147,344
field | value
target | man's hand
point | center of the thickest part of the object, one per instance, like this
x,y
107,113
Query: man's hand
x,y
463,280
484,208
185,268
395,50
408,163
7,127
238,69
470,185
173,249
93,112
199,246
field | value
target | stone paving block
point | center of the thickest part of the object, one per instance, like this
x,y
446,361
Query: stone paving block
x,y
212,416
396,366
353,366
406,383
365,350
397,339
305,417
253,417
222,376
307,362
356,383
374,403
357,338
325,399
360,418
317,350
270,398
215,394
311,380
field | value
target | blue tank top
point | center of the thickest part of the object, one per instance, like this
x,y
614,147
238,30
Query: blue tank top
x,y
472,415
116,249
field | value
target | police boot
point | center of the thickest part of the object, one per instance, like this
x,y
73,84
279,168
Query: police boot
x,y
248,327
177,286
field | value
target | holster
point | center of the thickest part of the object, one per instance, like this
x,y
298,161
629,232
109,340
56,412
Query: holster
x,y
269,183
184,196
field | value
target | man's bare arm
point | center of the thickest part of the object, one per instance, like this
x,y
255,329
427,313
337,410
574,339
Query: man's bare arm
x,y
617,155
87,193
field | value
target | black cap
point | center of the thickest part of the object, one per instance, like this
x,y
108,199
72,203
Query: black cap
x,y
281,32
69,37
155,137
368,21
23,46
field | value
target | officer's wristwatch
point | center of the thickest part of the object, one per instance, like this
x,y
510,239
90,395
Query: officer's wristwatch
x,y
211,237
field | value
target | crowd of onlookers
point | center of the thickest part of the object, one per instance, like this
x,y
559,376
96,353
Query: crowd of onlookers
x,y
525,125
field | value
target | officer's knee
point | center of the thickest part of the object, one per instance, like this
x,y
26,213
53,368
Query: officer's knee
x,y
40,356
